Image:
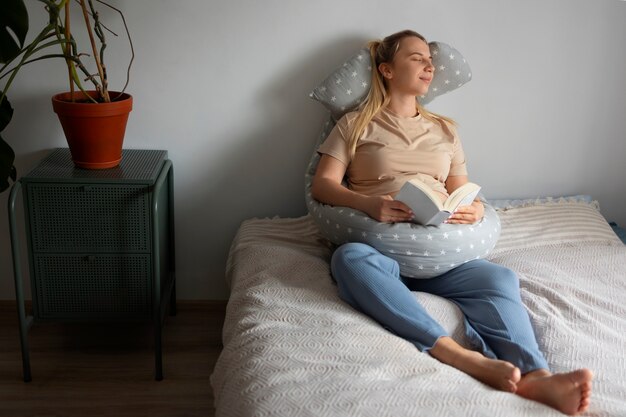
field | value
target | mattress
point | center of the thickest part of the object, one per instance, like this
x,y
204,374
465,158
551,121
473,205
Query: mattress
x,y
293,348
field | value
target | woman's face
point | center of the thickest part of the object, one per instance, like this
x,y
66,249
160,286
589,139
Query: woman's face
x,y
411,70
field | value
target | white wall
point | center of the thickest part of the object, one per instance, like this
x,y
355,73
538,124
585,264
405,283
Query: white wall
x,y
224,87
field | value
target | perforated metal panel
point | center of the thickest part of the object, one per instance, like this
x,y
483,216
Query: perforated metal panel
x,y
90,237
89,218
88,286
92,243
137,166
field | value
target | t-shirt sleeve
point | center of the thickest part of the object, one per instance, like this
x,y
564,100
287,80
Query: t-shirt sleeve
x,y
336,144
457,165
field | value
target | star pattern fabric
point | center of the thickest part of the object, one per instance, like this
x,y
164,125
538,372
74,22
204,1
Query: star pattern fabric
x,y
347,86
421,251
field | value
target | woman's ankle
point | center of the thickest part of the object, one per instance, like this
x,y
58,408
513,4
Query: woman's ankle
x,y
447,350
534,374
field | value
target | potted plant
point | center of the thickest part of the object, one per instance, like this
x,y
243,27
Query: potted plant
x,y
95,137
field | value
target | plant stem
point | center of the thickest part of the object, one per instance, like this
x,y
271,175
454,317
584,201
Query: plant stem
x,y
130,41
103,92
97,28
67,49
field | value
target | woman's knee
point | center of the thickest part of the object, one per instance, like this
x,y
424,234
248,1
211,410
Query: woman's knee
x,y
497,277
358,259
349,251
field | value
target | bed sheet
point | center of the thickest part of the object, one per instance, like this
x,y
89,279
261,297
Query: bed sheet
x,y
293,348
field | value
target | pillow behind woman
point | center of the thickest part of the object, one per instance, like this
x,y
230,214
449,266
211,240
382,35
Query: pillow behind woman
x,y
421,251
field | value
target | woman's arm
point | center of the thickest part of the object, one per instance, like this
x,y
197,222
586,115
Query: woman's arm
x,y
464,214
327,188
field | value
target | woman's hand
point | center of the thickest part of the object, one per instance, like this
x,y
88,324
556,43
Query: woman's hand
x,y
468,214
387,210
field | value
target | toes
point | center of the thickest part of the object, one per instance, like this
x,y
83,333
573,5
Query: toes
x,y
584,375
516,375
583,407
510,387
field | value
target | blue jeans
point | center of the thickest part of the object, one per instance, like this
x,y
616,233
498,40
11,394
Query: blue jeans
x,y
487,294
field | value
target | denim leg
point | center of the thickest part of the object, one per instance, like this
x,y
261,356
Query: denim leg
x,y
370,282
489,296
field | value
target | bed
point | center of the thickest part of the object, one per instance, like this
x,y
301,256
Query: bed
x,y
293,348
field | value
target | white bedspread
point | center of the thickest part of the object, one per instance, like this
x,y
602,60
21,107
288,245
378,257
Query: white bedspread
x,y
293,348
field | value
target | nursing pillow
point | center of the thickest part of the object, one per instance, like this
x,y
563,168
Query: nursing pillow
x,y
421,251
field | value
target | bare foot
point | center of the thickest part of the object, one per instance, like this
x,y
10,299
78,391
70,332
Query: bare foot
x,y
498,374
570,393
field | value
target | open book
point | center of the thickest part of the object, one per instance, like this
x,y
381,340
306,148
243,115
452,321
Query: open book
x,y
426,204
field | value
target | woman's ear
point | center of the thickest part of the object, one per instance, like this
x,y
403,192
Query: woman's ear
x,y
385,71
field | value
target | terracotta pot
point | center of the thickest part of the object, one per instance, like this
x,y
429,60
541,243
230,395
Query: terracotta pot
x,y
94,131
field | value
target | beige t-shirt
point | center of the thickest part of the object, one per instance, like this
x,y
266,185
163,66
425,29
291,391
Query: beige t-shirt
x,y
393,150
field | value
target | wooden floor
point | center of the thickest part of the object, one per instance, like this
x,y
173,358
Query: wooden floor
x,y
105,370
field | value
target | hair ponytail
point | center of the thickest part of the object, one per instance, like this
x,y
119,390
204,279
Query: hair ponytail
x,y
383,51
375,100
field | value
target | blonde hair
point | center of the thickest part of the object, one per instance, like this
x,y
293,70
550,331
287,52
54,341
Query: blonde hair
x,y
383,51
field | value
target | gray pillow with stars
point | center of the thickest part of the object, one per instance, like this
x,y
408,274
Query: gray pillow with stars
x,y
347,86
421,251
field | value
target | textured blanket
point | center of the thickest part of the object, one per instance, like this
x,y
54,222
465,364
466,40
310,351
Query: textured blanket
x,y
293,348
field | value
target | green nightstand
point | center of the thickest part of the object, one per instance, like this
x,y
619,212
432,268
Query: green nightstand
x,y
100,243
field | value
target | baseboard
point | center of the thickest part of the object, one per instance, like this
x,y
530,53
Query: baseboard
x,y
181,305
11,305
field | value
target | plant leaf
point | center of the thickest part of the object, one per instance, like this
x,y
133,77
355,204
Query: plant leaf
x,y
6,113
7,156
7,170
14,16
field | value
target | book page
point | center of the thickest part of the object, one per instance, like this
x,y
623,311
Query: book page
x,y
424,207
428,191
438,218
462,196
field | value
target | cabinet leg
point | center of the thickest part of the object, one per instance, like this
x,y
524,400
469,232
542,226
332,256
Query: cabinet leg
x,y
25,353
25,321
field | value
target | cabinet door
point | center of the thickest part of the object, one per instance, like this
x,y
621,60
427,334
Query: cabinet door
x,y
92,286
70,218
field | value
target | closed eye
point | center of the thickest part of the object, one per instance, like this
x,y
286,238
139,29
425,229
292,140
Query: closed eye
x,y
417,56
